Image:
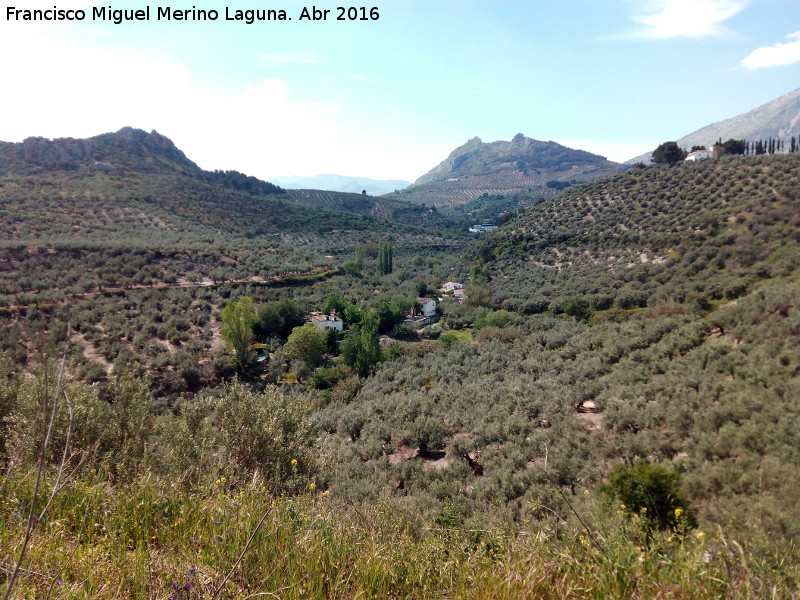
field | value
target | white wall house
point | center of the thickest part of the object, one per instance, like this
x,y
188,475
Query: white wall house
x,y
699,155
326,321
453,289
428,306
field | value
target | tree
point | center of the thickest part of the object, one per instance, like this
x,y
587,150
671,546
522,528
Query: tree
x,y
307,343
389,315
278,319
385,258
478,295
359,256
668,153
731,146
578,308
238,318
361,348
343,309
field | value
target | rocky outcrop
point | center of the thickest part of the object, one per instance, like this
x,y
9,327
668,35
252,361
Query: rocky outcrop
x,y
128,148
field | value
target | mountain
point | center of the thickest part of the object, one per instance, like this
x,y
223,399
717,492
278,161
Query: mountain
x,y
340,183
69,208
779,119
478,177
128,148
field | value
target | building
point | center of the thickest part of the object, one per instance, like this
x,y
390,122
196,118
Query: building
x,y
428,307
482,228
326,321
453,289
699,155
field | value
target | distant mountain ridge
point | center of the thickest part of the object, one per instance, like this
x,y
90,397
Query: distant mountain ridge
x,y
522,167
134,154
342,183
129,148
779,119
521,153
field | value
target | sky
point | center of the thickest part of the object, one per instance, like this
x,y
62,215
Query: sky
x,y
390,98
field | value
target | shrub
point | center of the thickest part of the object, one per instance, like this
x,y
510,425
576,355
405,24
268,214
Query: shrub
x,y
650,490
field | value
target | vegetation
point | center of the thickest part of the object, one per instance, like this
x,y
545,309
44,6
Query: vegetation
x,y
668,153
238,318
609,413
484,179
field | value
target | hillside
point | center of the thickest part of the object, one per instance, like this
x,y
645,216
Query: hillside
x,y
650,316
341,183
134,192
664,328
479,176
697,232
778,119
397,211
112,230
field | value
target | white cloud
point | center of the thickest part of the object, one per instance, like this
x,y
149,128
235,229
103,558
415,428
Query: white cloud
x,y
68,87
665,19
773,56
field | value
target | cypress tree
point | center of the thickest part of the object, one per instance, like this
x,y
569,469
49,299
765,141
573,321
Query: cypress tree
x,y
359,258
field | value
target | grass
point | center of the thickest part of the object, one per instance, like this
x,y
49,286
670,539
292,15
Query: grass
x,y
147,539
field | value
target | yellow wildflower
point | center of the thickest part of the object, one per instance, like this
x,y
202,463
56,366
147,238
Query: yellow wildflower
x,y
585,492
294,462
678,512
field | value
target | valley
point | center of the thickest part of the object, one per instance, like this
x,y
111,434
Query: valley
x,y
608,410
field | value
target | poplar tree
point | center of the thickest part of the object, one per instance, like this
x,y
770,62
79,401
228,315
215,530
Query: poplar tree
x,y
238,318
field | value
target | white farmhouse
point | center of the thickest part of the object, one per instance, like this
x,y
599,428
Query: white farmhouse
x,y
699,155
428,306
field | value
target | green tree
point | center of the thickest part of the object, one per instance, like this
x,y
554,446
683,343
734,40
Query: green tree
x,y
307,343
478,295
359,256
343,309
238,318
385,258
731,147
278,319
361,349
578,308
668,153
388,314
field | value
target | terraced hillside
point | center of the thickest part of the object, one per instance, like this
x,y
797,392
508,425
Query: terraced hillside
x,y
133,199
695,233
398,211
648,316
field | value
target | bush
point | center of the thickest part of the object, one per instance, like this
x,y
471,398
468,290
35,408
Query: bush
x,y
269,433
651,491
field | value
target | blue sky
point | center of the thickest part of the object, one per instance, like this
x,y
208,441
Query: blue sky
x,y
391,98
